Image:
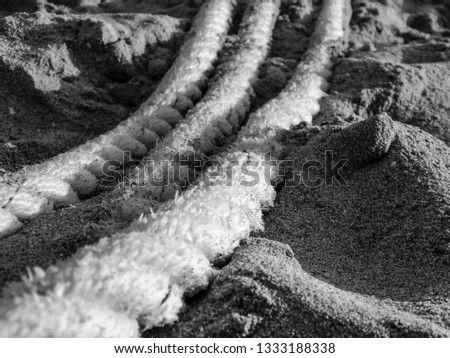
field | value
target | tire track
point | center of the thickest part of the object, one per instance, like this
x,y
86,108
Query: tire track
x,y
144,271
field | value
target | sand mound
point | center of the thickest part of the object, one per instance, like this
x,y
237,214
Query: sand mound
x,y
264,292
371,238
383,229
73,77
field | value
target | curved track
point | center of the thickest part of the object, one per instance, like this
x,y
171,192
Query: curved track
x,y
141,274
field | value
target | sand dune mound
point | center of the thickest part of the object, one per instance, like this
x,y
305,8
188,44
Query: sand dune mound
x,y
369,237
72,77
264,292
381,228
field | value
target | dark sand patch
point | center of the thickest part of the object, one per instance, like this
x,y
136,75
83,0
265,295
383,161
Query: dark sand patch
x,y
291,36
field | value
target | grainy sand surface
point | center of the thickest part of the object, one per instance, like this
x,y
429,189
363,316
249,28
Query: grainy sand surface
x,y
352,248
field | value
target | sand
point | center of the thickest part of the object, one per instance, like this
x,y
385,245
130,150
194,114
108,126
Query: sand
x,y
365,247
358,241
